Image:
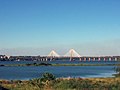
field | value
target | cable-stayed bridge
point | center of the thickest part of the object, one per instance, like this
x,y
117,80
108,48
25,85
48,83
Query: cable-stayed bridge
x,y
70,55
73,55
53,54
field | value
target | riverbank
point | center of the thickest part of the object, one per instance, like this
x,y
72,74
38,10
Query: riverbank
x,y
57,64
63,84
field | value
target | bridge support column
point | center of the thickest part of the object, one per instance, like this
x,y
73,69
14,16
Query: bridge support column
x,y
115,59
80,59
110,59
99,59
104,59
46,59
93,59
84,59
88,59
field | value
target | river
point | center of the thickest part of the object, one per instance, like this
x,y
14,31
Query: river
x,y
29,72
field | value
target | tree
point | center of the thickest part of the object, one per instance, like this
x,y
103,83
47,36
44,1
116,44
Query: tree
x,y
47,77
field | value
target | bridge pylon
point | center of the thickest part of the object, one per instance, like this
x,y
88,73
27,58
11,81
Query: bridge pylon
x,y
53,54
72,53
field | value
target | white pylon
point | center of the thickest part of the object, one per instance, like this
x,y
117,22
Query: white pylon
x,y
53,54
72,53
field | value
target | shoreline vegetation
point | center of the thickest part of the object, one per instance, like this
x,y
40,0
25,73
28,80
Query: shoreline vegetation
x,y
49,82
48,64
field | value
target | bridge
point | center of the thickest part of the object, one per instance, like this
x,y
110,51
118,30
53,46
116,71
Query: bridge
x,y
71,55
53,54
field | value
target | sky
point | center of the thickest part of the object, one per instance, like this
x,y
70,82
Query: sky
x,y
35,27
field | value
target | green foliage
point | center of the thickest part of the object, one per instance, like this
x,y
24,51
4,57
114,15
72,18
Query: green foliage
x,y
118,71
49,82
2,88
47,77
73,84
36,83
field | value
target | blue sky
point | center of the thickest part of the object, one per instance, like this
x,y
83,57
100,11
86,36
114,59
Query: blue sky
x,y
35,27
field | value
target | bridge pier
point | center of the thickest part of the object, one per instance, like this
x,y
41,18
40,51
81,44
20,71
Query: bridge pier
x,y
84,59
99,59
80,59
104,59
89,59
110,59
70,58
115,59
46,59
94,59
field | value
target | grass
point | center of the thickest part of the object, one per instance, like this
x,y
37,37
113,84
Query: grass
x,y
67,84
49,82
48,64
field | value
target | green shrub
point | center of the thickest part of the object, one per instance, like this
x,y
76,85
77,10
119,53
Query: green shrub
x,y
49,82
47,77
